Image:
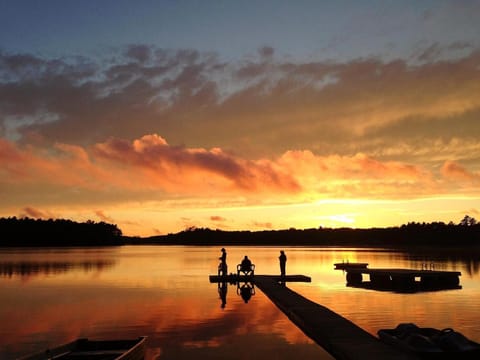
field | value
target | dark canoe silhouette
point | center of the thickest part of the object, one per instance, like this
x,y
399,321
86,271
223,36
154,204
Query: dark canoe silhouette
x,y
82,349
431,343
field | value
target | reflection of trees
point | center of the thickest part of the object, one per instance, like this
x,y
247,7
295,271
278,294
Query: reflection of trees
x,y
472,267
465,259
29,268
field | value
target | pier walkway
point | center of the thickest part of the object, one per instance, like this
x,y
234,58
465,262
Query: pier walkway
x,y
338,336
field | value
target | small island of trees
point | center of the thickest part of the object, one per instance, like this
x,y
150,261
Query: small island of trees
x,y
57,232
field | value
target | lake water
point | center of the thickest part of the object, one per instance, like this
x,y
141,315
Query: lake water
x,y
51,296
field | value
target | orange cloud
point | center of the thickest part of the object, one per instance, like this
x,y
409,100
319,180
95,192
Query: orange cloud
x,y
152,155
217,218
148,168
36,213
103,217
454,171
263,225
357,176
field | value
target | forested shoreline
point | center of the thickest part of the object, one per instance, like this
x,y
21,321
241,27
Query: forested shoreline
x,y
61,232
409,235
57,232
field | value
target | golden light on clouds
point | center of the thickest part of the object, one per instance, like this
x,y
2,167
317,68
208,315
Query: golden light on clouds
x,y
175,139
162,184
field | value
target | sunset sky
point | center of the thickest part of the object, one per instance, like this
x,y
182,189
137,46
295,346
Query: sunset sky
x,y
162,115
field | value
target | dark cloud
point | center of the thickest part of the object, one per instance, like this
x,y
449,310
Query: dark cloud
x,y
258,107
141,53
266,51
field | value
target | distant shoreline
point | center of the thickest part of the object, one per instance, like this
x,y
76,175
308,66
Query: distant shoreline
x,y
404,237
27,232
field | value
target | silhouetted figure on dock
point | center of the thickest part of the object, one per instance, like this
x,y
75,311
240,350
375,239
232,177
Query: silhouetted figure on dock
x,y
283,262
222,267
246,266
246,263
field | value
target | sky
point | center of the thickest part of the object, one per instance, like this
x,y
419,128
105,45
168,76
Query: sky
x,y
160,116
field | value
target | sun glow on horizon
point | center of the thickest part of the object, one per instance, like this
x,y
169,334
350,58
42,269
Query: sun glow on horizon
x,y
148,219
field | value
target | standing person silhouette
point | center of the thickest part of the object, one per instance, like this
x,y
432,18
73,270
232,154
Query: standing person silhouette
x,y
283,262
222,267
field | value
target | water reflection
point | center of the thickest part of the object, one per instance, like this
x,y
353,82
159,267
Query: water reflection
x,y
246,290
31,268
222,293
163,292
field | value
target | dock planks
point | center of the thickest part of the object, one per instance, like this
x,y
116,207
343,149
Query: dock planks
x,y
338,336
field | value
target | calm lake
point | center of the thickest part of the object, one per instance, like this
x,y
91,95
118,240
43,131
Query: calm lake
x,y
52,296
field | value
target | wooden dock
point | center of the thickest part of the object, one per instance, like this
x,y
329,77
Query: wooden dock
x,y
337,335
397,278
234,278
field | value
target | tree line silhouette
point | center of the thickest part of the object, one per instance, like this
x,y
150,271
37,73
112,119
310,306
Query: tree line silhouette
x,y
61,232
57,232
466,233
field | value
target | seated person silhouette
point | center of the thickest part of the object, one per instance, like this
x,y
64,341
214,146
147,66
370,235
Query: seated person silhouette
x,y
246,267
